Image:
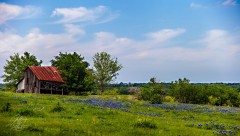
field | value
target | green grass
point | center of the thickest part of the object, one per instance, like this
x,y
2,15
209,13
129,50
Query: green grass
x,y
41,114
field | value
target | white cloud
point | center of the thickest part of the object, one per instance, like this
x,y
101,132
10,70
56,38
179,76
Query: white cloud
x,y
224,3
164,35
99,14
10,12
217,44
195,5
74,30
45,45
229,2
221,45
104,37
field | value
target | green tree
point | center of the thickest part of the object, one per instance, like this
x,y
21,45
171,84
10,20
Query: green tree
x,y
153,92
181,90
74,71
105,69
13,69
89,81
153,80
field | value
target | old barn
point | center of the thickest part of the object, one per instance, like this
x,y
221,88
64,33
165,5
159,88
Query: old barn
x,y
41,79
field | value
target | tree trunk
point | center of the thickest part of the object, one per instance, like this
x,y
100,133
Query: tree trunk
x,y
102,88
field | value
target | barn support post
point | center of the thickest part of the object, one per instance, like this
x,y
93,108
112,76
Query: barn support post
x,y
39,86
51,88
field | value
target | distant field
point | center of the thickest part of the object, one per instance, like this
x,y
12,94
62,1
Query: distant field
x,y
35,114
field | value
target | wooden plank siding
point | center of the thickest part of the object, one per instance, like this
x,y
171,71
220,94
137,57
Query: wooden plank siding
x,y
33,81
32,84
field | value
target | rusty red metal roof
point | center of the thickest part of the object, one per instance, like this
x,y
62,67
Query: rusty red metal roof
x,y
46,73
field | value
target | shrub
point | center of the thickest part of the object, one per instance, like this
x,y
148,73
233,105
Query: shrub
x,y
156,99
134,90
58,108
169,99
79,112
84,93
95,92
26,112
33,128
123,90
145,124
150,94
6,107
238,100
111,92
23,101
212,100
145,94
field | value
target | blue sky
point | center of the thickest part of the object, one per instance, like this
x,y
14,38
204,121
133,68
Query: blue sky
x,y
166,39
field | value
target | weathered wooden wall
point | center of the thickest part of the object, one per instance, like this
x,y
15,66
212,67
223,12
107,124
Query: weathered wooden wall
x,y
32,84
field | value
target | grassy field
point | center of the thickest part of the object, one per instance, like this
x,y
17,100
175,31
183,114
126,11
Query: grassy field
x,y
39,114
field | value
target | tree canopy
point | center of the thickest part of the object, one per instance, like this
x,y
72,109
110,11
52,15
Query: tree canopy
x,y
105,69
13,69
75,72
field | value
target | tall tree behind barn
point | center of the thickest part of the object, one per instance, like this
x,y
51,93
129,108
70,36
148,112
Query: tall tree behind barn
x,y
41,79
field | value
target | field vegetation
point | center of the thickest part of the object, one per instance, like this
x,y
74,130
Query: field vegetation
x,y
43,114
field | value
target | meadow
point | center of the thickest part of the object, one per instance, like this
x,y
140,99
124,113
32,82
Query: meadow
x,y
120,115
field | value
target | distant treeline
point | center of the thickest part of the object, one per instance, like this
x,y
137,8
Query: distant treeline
x,y
166,85
121,84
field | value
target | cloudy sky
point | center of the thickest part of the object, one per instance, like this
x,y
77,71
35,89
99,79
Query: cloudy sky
x,y
166,39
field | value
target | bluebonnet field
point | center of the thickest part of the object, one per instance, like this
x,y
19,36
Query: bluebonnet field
x,y
31,114
218,128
